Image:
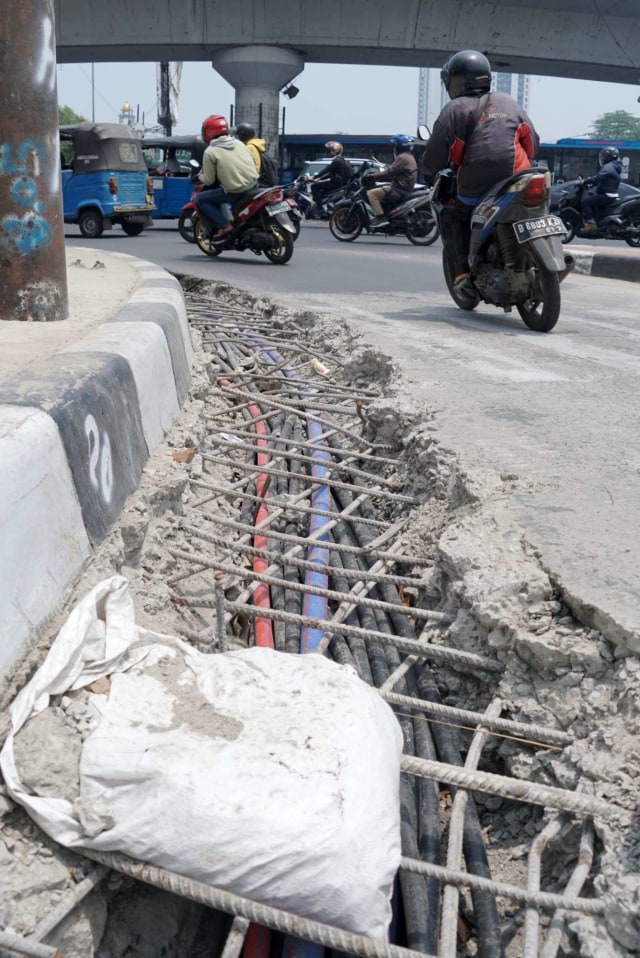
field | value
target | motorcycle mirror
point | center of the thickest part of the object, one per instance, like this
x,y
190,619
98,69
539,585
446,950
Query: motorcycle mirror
x,y
194,164
424,132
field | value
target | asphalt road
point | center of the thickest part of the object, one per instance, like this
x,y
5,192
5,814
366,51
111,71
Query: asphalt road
x,y
548,424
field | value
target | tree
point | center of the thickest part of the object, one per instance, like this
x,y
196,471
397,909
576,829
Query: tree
x,y
618,125
66,115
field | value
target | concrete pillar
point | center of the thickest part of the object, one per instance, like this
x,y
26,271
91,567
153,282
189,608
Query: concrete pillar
x,y
258,73
33,277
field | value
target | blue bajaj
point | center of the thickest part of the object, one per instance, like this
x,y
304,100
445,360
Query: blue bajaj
x,y
515,253
104,179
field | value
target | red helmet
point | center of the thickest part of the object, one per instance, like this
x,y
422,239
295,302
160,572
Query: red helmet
x,y
214,126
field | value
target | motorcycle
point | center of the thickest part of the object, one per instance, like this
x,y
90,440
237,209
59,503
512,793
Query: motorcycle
x,y
329,201
185,221
620,221
412,217
261,224
515,254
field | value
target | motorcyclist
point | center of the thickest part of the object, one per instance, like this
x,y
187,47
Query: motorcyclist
x,y
255,144
502,142
333,176
399,179
606,181
227,161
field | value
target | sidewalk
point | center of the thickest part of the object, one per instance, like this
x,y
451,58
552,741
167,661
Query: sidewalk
x,y
623,262
83,403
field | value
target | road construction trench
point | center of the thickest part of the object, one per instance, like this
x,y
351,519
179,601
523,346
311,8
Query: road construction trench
x,y
315,514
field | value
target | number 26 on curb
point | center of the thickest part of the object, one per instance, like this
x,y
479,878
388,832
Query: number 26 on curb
x,y
100,463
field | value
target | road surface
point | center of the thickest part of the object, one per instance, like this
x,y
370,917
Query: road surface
x,y
547,424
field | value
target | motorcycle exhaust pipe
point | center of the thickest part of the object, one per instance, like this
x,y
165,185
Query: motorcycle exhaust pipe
x,y
569,264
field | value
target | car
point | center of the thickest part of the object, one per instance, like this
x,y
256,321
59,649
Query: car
x,y
313,167
560,188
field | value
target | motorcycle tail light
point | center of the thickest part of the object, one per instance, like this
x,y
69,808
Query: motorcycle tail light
x,y
536,190
113,185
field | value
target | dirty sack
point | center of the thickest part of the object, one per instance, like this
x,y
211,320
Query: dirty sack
x,y
272,776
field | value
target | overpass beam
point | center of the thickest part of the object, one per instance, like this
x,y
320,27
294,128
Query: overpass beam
x,y
33,278
258,73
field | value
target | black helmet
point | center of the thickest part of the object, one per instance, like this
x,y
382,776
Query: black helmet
x,y
467,71
609,153
244,131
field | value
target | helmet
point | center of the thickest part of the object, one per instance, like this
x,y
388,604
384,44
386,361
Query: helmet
x,y
333,147
609,153
244,132
213,127
467,71
401,142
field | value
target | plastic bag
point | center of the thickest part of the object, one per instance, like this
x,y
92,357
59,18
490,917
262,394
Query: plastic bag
x,y
273,776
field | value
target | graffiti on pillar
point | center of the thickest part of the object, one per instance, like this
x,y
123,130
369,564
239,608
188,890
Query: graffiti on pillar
x,y
24,229
45,65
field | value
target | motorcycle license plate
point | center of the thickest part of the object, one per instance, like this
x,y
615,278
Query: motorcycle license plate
x,y
542,226
282,207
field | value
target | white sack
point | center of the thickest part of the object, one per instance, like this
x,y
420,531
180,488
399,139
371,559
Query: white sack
x,y
272,776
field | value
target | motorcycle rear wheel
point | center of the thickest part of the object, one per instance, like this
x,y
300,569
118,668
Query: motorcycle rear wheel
x,y
346,224
283,252
462,300
572,225
633,241
541,312
185,227
204,243
422,228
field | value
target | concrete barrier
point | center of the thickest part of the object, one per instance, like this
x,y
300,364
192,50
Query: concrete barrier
x,y
76,428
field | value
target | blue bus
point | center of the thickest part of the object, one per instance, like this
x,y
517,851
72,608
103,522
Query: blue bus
x,y
569,158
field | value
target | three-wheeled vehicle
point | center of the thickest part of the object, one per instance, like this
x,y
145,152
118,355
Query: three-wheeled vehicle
x,y
168,160
104,178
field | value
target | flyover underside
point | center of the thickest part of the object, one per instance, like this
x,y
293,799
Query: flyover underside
x,y
518,35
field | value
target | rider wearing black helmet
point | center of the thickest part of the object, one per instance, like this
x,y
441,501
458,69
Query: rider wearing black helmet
x,y
256,146
399,179
486,136
606,181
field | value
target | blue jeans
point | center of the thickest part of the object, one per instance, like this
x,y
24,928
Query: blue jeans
x,y
209,204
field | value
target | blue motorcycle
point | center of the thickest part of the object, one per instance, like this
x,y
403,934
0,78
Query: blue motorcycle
x,y
515,255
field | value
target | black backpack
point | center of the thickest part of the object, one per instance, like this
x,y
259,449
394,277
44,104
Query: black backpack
x,y
348,172
268,171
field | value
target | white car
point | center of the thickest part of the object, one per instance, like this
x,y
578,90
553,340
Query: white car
x,y
313,167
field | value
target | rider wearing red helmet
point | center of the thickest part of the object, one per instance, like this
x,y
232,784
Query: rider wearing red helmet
x,y
333,176
227,162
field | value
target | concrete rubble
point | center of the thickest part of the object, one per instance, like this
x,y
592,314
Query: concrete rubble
x,y
559,671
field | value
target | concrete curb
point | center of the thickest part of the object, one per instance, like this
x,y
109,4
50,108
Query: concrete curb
x,y
608,265
76,430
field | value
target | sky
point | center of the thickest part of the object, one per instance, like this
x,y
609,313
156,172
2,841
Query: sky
x,y
333,98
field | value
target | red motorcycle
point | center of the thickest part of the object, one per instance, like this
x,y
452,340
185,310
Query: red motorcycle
x,y
185,223
261,223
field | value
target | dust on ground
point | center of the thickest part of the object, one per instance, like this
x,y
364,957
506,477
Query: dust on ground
x,y
559,671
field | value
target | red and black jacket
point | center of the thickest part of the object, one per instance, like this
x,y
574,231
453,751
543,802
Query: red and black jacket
x,y
502,143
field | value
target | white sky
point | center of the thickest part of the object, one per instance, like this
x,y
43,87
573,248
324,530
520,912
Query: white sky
x,y
332,98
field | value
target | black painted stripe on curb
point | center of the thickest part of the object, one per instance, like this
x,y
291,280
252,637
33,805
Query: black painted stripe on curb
x,y
165,316
93,400
616,267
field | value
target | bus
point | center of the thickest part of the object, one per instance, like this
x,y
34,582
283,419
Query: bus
x,y
570,157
